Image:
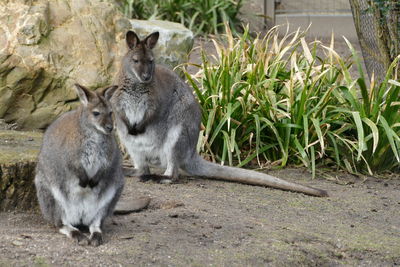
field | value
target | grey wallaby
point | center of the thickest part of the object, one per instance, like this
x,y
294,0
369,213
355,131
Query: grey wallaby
x,y
79,177
158,121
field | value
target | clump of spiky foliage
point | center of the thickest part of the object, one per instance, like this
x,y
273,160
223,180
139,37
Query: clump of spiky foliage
x,y
284,101
205,16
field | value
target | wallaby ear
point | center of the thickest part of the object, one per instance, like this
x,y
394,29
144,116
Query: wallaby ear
x,y
108,92
84,93
151,40
132,39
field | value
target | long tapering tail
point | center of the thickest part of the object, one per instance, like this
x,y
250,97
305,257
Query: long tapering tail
x,y
201,167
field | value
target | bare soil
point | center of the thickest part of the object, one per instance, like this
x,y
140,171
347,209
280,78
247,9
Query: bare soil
x,y
205,222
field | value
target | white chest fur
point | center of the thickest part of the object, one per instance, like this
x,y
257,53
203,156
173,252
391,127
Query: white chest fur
x,y
82,205
94,155
135,112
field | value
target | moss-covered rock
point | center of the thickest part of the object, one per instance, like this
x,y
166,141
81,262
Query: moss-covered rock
x,y
18,155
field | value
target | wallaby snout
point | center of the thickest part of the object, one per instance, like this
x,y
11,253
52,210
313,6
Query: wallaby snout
x,y
143,70
146,76
109,127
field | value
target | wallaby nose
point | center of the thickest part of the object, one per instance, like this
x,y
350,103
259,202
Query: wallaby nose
x,y
146,76
109,128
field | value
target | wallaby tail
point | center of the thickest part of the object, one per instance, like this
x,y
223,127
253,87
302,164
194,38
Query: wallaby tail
x,y
201,167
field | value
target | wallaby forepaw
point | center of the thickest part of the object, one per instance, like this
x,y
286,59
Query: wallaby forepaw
x,y
80,238
93,183
83,183
96,239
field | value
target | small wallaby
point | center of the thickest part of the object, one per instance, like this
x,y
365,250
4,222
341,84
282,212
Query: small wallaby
x,y
79,176
158,121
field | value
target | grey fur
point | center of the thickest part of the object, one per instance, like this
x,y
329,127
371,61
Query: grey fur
x,y
79,175
158,121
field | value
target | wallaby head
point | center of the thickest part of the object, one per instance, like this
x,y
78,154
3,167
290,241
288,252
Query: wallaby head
x,y
96,108
139,61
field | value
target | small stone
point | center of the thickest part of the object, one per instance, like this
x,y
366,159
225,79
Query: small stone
x,y
17,243
129,206
171,204
127,237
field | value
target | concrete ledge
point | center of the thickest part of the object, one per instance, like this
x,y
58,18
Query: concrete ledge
x,y
18,155
322,25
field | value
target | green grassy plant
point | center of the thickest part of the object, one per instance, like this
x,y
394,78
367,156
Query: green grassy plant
x,y
201,16
282,100
375,116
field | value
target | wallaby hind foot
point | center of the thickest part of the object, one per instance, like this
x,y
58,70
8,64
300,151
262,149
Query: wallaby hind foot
x,y
96,239
158,178
80,238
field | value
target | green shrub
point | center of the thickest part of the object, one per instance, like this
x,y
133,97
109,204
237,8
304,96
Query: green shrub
x,y
375,116
284,101
201,16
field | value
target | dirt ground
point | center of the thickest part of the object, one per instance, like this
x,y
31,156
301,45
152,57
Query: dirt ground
x,y
211,223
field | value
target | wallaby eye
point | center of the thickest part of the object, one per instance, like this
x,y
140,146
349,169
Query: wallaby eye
x,y
111,113
135,61
96,113
151,60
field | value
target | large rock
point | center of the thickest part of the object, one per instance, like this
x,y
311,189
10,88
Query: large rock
x,y
47,46
18,155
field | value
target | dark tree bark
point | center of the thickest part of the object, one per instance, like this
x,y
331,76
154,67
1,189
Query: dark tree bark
x,y
377,24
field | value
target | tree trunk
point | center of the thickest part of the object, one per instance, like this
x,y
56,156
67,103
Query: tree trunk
x,y
378,28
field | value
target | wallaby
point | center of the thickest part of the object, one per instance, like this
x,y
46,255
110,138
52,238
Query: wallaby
x,y
79,176
158,121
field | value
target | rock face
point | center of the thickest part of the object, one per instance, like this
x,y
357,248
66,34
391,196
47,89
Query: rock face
x,y
47,46
175,40
17,169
